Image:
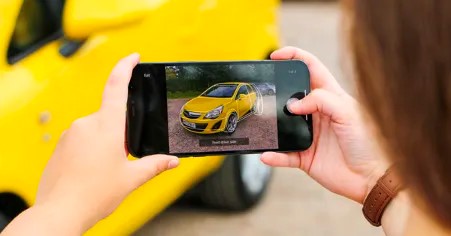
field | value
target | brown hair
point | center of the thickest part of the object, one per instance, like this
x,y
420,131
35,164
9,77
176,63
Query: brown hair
x,y
401,52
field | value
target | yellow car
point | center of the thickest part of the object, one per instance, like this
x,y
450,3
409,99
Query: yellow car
x,y
55,57
219,108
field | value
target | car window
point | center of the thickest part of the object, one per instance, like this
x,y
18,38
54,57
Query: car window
x,y
242,90
38,22
220,91
250,89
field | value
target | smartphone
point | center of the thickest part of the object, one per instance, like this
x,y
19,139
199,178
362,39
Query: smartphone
x,y
208,108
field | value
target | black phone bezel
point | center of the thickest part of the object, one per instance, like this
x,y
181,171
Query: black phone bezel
x,y
147,98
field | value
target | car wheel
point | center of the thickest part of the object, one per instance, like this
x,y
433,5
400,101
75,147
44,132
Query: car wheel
x,y
238,185
270,92
4,221
232,122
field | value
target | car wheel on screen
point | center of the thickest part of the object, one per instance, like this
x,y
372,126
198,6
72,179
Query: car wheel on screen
x,y
238,185
232,122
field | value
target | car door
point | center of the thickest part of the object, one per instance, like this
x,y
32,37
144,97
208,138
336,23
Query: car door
x,y
242,101
43,89
32,60
252,96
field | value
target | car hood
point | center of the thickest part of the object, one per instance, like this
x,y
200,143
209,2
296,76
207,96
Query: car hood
x,y
205,104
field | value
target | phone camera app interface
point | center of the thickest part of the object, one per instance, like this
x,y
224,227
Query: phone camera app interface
x,y
221,107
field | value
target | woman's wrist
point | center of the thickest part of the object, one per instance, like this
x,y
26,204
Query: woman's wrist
x,y
68,216
50,219
377,172
396,215
64,219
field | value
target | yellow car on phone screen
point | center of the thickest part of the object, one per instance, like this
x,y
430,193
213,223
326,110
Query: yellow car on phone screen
x,y
55,57
219,108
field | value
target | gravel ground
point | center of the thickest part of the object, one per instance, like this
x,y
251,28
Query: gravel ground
x,y
260,129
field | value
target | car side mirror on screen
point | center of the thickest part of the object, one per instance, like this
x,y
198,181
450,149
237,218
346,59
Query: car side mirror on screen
x,y
82,18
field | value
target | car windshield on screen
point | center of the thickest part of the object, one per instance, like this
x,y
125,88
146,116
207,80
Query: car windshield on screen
x,y
220,91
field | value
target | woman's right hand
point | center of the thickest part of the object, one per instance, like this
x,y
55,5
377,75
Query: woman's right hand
x,y
344,157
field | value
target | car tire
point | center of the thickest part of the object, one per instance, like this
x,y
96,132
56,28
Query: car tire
x,y
237,185
271,92
4,221
232,120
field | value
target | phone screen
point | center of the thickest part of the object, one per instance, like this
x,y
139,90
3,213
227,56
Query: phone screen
x,y
207,108
222,107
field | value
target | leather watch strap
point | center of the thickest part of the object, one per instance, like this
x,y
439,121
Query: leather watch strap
x,y
380,196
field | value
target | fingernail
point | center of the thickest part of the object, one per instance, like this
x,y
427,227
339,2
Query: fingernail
x,y
135,55
292,104
173,163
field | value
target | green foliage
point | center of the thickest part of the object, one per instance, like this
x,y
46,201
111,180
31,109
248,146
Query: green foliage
x,y
183,94
182,81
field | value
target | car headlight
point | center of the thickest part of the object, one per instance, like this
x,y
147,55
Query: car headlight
x,y
213,114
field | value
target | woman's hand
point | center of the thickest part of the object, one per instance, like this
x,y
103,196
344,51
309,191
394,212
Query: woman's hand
x,y
89,174
344,157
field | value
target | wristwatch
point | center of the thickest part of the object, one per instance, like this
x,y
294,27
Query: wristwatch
x,y
380,196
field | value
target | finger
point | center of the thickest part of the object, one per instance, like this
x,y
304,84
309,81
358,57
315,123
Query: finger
x,y
150,166
322,101
319,74
281,159
116,90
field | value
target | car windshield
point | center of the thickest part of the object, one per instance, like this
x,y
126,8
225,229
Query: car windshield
x,y
220,91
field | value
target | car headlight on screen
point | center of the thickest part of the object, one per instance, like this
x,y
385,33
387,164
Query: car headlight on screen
x,y
213,114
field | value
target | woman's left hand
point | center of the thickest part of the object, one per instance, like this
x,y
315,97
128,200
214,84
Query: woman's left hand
x,y
89,174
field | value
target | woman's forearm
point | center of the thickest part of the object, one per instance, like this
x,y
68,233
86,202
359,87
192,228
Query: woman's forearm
x,y
43,220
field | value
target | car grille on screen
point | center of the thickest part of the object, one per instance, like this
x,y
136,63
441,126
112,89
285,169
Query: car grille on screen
x,y
200,127
191,115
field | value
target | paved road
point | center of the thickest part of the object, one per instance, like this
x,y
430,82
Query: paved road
x,y
260,130
294,205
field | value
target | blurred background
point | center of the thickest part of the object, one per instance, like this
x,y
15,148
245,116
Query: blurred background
x,y
55,56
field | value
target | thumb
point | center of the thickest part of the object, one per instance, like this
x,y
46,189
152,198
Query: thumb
x,y
322,101
148,167
115,94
